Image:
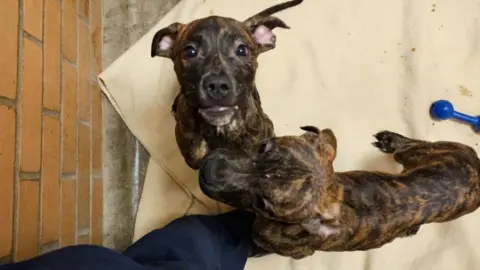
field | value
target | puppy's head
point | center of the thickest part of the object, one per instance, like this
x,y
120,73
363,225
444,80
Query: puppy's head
x,y
289,179
215,58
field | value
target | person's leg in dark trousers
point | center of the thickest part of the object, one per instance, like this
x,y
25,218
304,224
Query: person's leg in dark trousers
x,y
220,242
192,242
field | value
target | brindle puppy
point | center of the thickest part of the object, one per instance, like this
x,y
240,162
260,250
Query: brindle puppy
x,y
215,60
303,206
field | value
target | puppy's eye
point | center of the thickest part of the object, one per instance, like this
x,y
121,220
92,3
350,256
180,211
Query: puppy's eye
x,y
189,52
265,146
242,50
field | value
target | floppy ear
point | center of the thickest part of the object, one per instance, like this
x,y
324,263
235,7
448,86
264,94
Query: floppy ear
x,y
312,129
327,140
261,30
316,227
326,223
164,40
262,24
330,144
261,204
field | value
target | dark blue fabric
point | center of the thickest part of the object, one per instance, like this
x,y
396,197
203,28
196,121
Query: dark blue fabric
x,y
189,243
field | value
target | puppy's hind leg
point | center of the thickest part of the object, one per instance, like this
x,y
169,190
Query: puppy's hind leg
x,y
411,231
406,151
391,142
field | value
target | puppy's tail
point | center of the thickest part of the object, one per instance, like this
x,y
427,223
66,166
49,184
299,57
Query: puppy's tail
x,y
274,9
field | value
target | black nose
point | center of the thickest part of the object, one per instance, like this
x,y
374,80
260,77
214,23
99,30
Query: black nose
x,y
217,86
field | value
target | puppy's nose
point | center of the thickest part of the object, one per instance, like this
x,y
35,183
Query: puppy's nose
x,y
210,170
211,163
217,86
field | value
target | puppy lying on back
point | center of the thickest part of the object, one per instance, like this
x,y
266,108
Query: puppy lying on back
x,y
215,60
303,206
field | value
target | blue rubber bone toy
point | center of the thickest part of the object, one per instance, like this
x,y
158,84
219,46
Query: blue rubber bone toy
x,y
443,110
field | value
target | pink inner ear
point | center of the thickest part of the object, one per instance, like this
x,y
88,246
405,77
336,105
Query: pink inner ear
x,y
326,231
316,227
165,44
263,35
268,205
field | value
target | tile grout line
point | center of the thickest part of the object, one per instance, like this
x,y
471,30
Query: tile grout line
x,y
18,119
77,116
29,176
84,123
11,103
93,77
42,137
60,186
84,232
6,259
51,113
69,61
49,246
81,16
68,176
33,38
82,19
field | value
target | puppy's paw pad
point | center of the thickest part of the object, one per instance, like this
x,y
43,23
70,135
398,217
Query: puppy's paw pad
x,y
380,146
387,141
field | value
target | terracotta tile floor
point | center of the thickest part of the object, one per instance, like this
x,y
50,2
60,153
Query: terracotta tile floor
x,y
50,126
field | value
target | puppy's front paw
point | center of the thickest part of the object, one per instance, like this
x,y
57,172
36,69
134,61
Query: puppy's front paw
x,y
411,231
306,252
257,252
387,141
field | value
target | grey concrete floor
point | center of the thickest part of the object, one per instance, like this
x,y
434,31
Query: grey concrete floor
x,y
125,159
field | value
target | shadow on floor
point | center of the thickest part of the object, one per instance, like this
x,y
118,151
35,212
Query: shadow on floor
x,y
124,158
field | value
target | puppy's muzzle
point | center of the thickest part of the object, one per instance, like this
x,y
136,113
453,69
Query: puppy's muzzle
x,y
219,99
217,87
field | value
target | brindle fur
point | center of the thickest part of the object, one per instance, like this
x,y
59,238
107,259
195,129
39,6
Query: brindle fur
x,y
215,39
303,206
195,137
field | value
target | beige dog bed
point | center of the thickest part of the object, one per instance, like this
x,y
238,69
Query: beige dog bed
x,y
353,66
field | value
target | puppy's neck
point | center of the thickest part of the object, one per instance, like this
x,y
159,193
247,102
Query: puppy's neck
x,y
331,205
252,103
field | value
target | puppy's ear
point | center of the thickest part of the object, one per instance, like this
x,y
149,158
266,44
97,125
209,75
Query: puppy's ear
x,y
315,226
261,204
312,129
164,40
262,24
326,222
329,142
261,30
326,140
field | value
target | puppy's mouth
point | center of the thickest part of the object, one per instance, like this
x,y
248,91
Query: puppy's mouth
x,y
218,115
